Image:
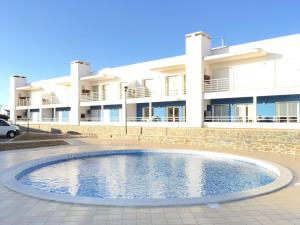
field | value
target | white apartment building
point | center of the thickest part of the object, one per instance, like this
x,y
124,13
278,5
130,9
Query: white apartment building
x,y
255,84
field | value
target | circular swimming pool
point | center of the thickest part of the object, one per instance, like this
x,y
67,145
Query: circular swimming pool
x,y
146,177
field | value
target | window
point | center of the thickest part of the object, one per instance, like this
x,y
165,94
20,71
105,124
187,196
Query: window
x,y
146,113
148,85
173,114
95,93
121,90
3,123
104,90
174,85
244,113
220,113
286,111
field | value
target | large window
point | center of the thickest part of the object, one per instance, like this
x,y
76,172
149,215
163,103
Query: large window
x,y
146,114
174,85
95,93
173,114
220,113
286,111
244,113
148,85
104,92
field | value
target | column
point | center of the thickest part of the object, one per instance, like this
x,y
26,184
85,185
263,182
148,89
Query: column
x,y
198,45
15,81
78,70
150,111
255,109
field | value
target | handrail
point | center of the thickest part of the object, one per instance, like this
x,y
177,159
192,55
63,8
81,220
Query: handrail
x,y
260,119
217,85
156,119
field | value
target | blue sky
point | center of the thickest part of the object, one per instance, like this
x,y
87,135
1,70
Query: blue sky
x,y
38,39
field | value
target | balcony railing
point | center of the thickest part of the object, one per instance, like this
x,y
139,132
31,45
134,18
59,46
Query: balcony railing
x,y
94,96
259,119
229,119
139,92
156,119
174,92
43,119
48,100
24,102
217,85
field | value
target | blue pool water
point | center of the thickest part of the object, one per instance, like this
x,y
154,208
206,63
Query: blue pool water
x,y
147,175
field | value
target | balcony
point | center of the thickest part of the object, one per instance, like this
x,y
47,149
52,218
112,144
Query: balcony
x,y
49,100
94,96
24,102
139,92
259,119
157,119
175,92
217,85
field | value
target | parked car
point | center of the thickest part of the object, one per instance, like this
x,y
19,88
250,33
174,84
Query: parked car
x,y
5,117
8,129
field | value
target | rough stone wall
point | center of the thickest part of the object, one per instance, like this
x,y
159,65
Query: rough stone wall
x,y
267,140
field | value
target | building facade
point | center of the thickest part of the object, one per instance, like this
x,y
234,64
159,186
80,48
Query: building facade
x,y
255,84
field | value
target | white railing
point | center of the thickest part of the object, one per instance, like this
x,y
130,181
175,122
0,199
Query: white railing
x,y
260,119
174,92
91,119
229,119
23,102
138,92
94,96
31,120
278,119
98,119
156,119
48,100
217,85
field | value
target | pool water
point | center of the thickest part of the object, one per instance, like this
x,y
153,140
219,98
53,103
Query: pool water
x,y
147,175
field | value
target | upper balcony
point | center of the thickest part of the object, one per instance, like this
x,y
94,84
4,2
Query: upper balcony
x,y
25,101
217,85
94,96
132,93
50,100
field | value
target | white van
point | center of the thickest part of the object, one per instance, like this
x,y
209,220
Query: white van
x,y
8,129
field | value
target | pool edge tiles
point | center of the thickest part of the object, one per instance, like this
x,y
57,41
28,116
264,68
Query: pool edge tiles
x,y
8,178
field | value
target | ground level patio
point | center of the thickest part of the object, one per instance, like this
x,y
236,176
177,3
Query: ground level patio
x,y
281,207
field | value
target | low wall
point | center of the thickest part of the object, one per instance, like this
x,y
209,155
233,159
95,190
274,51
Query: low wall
x,y
282,141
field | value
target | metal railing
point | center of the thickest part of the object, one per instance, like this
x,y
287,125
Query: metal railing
x,y
23,102
156,119
229,119
48,100
99,119
94,96
43,120
278,119
174,92
217,85
138,92
259,119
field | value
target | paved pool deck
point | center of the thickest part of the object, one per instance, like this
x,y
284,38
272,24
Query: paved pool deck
x,y
281,207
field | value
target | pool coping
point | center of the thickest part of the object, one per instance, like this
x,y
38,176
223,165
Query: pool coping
x,y
8,178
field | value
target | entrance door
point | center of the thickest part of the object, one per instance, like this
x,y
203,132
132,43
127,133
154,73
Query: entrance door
x,y
244,113
173,114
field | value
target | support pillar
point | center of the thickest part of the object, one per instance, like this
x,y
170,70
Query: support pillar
x,y
255,109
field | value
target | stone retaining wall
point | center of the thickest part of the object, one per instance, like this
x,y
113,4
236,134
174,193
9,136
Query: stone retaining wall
x,y
282,141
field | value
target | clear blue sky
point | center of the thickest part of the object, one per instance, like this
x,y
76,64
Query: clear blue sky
x,y
38,38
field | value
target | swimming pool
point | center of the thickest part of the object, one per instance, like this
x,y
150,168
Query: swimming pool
x,y
147,177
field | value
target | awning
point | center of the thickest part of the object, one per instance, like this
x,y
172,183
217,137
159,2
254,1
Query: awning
x,y
98,77
234,56
29,88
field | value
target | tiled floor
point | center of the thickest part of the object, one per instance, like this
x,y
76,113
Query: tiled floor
x,y
281,207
